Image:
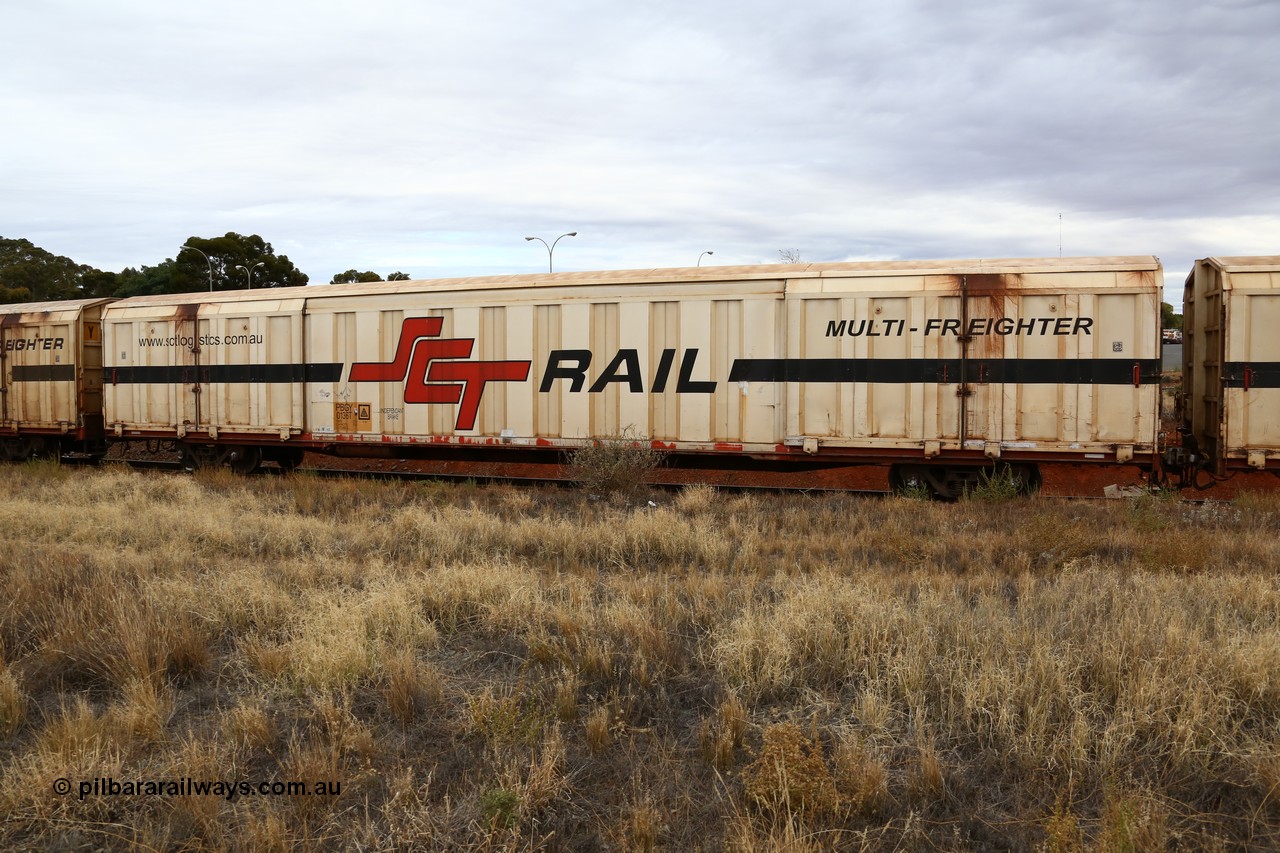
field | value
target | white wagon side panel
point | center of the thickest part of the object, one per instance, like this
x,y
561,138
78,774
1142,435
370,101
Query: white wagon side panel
x,y
896,360
545,365
52,365
1232,360
204,364
1055,356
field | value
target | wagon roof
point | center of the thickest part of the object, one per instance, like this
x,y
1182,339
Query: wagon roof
x,y
48,307
1240,263
692,275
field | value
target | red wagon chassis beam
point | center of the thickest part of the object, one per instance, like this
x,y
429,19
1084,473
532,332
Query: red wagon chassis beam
x,y
53,432
1058,478
826,455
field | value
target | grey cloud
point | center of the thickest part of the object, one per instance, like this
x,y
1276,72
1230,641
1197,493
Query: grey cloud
x,y
394,133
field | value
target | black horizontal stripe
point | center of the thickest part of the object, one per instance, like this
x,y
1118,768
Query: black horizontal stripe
x,y
1262,374
44,373
1026,371
203,374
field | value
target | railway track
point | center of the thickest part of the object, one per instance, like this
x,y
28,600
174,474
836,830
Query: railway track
x,y
400,475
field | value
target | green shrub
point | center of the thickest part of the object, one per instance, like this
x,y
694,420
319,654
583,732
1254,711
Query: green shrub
x,y
1001,483
616,467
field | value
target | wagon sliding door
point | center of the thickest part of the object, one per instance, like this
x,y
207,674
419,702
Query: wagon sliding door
x,y
980,392
5,380
193,389
1250,423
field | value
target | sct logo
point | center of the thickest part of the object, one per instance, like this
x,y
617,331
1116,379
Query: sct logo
x,y
422,357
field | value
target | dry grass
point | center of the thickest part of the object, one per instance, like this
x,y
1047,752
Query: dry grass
x,y
502,668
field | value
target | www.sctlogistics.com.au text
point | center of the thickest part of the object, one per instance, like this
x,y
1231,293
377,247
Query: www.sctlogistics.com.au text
x,y
203,340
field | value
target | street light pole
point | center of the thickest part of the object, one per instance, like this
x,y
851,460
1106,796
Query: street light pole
x,y
248,271
206,260
700,257
551,250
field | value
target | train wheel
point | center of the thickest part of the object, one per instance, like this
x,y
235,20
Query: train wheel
x,y
912,481
197,456
20,449
288,458
244,460
951,482
999,481
190,461
1026,478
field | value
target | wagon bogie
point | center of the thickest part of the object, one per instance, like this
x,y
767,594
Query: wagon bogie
x,y
949,482
20,447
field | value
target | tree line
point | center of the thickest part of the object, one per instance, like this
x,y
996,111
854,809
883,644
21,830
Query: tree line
x,y
29,273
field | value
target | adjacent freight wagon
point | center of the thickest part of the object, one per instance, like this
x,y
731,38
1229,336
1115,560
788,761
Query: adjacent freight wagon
x,y
1231,366
788,374
50,377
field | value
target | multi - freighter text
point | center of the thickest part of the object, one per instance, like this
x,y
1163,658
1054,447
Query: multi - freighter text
x,y
954,327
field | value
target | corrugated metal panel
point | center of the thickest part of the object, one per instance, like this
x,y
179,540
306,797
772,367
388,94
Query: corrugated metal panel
x,y
1231,359
40,371
642,359
548,336
52,357
1027,357
1202,355
664,335
1238,312
605,344
1254,421
698,402
186,366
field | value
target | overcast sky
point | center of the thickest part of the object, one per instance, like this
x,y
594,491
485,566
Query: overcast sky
x,y
432,137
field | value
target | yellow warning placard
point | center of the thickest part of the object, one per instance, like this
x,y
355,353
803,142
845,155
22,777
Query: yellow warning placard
x,y
352,417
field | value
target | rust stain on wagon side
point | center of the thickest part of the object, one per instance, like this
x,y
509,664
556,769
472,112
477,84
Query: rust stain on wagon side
x,y
187,310
994,287
987,284
1142,279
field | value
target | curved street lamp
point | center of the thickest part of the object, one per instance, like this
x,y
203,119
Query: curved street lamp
x,y
551,249
248,271
700,257
206,260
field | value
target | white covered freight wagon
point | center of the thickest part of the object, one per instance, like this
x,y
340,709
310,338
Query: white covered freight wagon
x,y
1231,362
50,377
935,368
